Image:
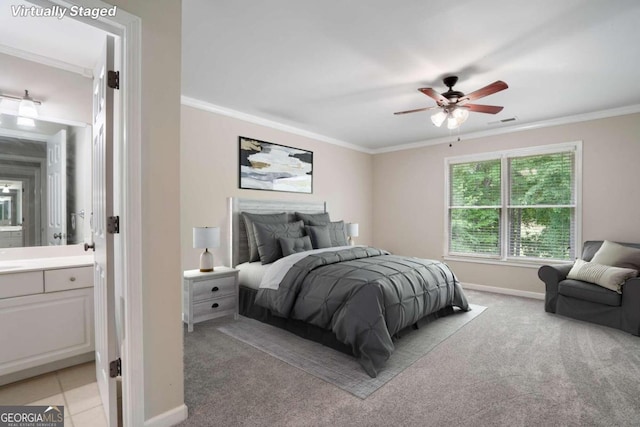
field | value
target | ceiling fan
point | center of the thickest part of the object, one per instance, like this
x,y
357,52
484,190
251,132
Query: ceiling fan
x,y
454,105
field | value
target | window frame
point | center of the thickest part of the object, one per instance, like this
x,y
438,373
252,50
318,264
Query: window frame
x,y
503,258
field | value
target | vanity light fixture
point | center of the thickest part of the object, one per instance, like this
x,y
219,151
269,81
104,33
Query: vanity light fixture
x,y
206,237
27,105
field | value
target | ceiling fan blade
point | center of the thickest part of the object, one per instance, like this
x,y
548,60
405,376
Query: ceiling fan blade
x,y
441,100
494,87
416,110
489,109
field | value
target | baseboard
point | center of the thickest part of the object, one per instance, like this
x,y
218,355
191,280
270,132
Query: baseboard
x,y
169,418
47,367
506,291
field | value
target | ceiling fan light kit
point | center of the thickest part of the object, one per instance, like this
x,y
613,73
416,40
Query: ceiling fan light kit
x,y
454,105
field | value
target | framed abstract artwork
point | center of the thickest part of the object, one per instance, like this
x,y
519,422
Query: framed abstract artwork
x,y
268,166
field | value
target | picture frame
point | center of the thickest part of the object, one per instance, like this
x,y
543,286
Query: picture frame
x,y
269,166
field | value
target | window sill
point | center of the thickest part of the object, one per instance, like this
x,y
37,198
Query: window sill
x,y
510,263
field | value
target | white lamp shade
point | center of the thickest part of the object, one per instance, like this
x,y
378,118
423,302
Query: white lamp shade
x,y
457,117
352,230
461,113
27,108
206,237
452,122
438,118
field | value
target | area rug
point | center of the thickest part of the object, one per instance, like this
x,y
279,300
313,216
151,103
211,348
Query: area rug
x,y
341,369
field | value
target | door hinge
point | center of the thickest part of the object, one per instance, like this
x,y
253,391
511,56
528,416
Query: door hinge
x,y
113,225
113,79
115,368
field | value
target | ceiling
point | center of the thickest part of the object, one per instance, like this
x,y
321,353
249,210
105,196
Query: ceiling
x,y
341,69
66,41
338,70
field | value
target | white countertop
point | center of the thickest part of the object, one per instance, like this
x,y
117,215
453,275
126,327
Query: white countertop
x,y
23,265
10,228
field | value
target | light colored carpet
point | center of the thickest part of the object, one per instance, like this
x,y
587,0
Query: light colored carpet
x,y
514,365
341,369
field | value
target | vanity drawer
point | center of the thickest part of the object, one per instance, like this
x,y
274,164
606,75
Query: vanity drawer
x,y
214,287
19,284
68,278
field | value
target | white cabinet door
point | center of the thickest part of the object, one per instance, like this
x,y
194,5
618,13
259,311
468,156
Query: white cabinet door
x,y
44,328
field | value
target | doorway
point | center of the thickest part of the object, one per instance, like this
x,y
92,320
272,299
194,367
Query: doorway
x,y
126,28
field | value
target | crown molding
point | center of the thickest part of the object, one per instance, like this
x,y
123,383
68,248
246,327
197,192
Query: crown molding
x,y
84,72
217,109
621,111
212,108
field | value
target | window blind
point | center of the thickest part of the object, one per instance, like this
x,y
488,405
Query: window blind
x,y
542,205
475,207
517,205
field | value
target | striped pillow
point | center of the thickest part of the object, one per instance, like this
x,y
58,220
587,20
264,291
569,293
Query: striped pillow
x,y
603,275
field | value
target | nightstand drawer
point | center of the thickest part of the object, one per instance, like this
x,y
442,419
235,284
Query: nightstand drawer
x,y
214,307
214,288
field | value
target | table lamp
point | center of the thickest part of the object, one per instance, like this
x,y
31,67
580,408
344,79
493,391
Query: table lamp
x,y
206,237
352,231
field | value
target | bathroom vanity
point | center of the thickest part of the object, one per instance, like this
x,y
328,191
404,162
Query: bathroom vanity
x,y
46,315
11,237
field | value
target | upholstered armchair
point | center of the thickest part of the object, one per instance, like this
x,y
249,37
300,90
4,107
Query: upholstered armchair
x,y
589,302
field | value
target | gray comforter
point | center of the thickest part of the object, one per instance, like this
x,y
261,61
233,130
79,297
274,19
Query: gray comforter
x,y
365,296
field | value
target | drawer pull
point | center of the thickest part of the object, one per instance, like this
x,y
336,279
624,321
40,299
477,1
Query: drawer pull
x,y
215,305
73,279
215,289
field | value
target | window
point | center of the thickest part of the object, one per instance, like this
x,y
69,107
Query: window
x,y
517,205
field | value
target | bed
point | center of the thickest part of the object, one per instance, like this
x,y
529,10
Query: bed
x,y
299,274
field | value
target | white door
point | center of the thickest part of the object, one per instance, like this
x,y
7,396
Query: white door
x,y
56,230
102,206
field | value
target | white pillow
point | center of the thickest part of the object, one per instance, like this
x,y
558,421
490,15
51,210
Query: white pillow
x,y
605,276
617,255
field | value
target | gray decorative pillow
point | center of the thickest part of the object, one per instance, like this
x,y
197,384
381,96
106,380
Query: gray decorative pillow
x,y
292,245
605,276
267,236
249,219
337,233
318,219
320,237
617,255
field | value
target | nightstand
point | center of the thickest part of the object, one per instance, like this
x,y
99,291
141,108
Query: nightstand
x,y
209,295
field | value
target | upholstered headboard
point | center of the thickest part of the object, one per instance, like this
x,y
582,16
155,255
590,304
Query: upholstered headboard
x,y
238,245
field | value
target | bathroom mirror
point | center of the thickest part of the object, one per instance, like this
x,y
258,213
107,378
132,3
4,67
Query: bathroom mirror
x,y
45,183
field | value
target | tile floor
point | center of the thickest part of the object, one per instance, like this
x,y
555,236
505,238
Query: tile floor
x,y
75,388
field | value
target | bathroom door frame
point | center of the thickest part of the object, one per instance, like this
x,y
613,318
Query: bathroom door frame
x,y
127,28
